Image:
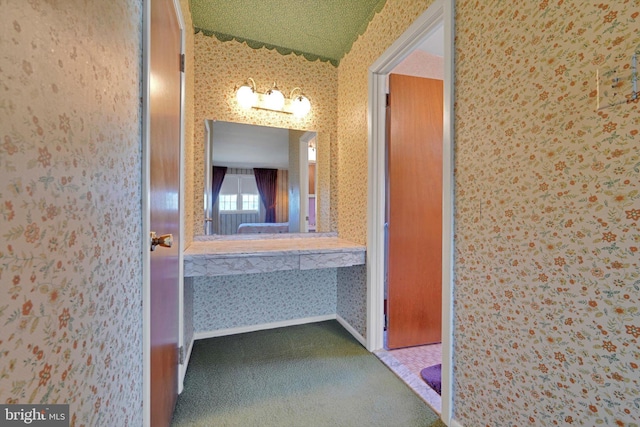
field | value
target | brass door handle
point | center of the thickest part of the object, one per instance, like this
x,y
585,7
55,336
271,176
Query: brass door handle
x,y
166,240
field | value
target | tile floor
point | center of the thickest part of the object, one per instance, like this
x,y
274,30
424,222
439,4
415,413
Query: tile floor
x,y
418,358
407,364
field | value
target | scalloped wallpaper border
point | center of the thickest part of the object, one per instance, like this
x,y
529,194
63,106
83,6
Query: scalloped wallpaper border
x,y
255,44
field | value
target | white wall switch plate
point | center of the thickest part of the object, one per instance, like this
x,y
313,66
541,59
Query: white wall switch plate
x,y
618,85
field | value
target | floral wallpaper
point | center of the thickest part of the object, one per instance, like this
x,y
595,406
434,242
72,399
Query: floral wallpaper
x,y
220,67
353,77
223,302
70,214
547,207
189,116
352,285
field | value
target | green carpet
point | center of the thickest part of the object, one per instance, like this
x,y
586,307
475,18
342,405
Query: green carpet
x,y
299,376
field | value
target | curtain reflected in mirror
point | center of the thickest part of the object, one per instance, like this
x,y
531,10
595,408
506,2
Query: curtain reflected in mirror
x,y
267,183
216,185
259,180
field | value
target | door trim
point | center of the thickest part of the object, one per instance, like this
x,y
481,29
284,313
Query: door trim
x,y
441,11
182,369
146,218
146,201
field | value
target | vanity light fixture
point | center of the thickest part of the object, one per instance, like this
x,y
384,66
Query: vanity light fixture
x,y
300,104
248,96
273,99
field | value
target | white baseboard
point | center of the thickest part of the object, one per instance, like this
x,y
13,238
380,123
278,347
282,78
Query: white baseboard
x,y
351,330
261,327
454,423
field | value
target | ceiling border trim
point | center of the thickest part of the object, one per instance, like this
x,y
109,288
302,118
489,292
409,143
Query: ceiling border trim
x,y
363,27
254,44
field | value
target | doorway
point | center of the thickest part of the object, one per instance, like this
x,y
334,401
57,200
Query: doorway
x,y
440,13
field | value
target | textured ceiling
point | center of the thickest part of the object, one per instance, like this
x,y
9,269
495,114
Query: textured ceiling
x,y
316,29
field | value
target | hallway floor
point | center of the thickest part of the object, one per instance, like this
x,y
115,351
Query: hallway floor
x,y
315,374
407,364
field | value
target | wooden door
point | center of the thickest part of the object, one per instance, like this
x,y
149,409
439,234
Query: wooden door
x,y
414,174
164,169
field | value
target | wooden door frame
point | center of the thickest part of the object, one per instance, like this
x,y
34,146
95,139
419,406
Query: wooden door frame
x,y
440,11
146,209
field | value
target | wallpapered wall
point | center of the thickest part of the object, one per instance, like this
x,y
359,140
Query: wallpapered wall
x,y
547,272
350,305
70,163
189,116
220,67
254,299
548,207
383,30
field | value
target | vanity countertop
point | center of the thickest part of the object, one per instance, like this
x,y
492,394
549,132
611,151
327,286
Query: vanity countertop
x,y
286,246
219,257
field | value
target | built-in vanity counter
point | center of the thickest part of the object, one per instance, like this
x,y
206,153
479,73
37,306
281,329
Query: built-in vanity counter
x,y
247,254
242,283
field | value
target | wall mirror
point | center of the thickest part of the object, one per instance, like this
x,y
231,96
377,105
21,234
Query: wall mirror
x,y
258,179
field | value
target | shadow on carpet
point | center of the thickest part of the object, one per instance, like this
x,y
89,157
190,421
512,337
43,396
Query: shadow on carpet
x,y
307,375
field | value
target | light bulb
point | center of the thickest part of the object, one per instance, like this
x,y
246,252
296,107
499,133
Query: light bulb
x,y
301,106
274,99
246,96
